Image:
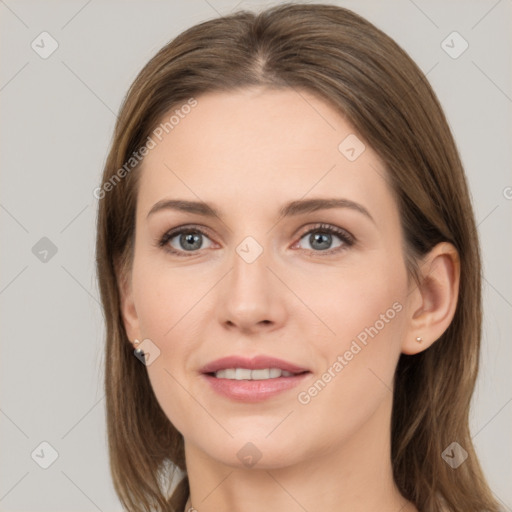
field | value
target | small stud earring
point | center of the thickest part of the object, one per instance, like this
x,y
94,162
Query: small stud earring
x,y
419,340
138,351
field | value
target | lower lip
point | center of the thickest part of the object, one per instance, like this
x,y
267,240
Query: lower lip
x,y
253,390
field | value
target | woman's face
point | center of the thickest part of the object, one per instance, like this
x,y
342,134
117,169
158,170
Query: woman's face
x,y
272,292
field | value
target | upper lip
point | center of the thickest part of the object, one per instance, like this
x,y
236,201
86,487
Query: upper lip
x,y
253,363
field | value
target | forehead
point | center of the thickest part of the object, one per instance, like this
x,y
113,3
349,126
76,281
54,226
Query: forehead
x,y
257,147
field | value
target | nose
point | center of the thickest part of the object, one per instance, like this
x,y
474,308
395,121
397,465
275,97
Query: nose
x,y
252,299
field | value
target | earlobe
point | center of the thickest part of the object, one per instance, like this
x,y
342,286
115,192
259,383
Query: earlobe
x,y
434,301
127,305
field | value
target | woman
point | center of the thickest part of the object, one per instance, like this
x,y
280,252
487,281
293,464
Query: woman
x,y
286,241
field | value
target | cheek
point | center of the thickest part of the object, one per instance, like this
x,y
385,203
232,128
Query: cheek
x,y
367,315
170,307
171,314
164,296
354,300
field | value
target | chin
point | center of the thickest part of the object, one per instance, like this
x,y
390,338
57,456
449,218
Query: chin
x,y
252,449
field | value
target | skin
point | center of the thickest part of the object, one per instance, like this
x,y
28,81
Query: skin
x,y
248,152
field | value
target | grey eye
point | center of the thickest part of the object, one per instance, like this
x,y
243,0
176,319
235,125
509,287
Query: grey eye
x,y
188,241
320,240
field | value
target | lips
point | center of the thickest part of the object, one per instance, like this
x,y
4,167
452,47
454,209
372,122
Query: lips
x,y
255,363
252,379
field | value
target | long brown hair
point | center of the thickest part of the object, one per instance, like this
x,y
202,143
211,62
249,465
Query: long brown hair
x,y
366,76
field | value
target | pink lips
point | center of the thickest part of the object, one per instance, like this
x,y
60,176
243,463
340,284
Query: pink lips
x,y
252,390
255,363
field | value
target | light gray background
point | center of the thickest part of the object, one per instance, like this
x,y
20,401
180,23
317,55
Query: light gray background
x,y
57,120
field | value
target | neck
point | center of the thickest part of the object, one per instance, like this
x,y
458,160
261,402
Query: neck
x,y
357,475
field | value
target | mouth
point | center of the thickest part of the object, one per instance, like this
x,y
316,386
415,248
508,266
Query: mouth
x,y
248,374
252,380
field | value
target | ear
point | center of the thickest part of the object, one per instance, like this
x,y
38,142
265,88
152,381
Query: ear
x,y
433,302
127,304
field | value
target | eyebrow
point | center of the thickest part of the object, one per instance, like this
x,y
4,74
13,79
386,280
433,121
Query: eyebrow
x,y
293,208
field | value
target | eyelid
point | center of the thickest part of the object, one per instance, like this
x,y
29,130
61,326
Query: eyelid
x,y
178,230
345,236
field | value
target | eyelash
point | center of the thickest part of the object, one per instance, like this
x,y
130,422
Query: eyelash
x,y
347,239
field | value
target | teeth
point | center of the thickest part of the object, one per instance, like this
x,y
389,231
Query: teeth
x,y
246,374
242,374
275,372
